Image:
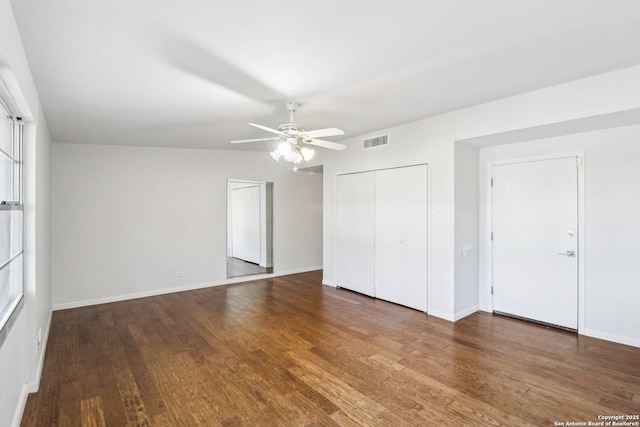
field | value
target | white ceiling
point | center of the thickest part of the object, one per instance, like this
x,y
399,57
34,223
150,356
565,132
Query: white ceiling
x,y
192,73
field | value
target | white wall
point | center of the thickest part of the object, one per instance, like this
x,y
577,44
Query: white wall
x,y
21,357
12,368
466,231
612,209
125,219
432,140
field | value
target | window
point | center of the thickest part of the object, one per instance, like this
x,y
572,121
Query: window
x,y
11,216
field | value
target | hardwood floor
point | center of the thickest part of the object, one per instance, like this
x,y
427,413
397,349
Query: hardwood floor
x,y
289,351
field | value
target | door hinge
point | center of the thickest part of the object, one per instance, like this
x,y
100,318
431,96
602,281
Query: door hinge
x,y
491,182
492,236
491,290
578,161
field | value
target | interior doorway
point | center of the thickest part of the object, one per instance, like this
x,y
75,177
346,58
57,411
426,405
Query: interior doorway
x,y
249,228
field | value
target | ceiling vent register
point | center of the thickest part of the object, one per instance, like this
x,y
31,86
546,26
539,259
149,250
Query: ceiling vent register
x,y
378,141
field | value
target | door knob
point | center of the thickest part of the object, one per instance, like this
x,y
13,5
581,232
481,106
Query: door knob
x,y
568,253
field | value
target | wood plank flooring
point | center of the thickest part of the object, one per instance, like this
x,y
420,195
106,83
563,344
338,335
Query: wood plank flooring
x,y
289,351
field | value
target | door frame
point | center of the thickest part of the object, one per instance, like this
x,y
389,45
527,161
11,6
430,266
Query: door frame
x,y
579,156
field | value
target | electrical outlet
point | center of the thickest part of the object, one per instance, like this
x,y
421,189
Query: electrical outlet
x,y
178,274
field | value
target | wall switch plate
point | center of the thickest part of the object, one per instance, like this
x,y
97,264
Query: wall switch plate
x,y
178,274
466,249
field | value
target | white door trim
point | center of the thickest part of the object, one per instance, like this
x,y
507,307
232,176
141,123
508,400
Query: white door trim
x,y
579,155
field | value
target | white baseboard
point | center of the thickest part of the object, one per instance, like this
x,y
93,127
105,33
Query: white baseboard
x,y
634,342
34,386
191,287
22,402
297,271
464,313
441,315
486,307
328,283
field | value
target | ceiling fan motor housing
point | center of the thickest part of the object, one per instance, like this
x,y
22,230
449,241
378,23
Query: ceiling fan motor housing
x,y
292,129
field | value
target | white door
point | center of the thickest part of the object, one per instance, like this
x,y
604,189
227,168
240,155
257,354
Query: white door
x,y
401,236
245,221
354,232
535,241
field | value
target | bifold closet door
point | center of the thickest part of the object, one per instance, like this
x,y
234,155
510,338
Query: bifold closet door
x,y
355,232
401,236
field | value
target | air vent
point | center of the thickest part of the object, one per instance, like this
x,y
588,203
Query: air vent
x,y
375,142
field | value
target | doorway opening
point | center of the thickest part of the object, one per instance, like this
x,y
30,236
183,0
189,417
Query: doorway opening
x,y
249,228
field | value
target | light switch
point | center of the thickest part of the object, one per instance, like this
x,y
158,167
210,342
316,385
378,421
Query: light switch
x,y
466,249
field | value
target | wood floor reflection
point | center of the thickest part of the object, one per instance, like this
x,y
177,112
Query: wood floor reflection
x,y
289,351
237,267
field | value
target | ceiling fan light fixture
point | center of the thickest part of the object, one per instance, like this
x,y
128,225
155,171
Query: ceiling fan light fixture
x,y
292,153
289,134
307,153
292,157
276,155
284,148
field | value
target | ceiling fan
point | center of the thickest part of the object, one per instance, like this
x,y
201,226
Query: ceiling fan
x,y
291,133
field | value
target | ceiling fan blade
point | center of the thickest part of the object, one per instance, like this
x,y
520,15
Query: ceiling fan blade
x,y
239,141
266,128
326,144
320,133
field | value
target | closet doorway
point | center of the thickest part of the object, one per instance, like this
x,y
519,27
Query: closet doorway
x,y
381,234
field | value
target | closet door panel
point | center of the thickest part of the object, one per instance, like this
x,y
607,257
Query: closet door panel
x,y
401,236
345,231
388,249
364,256
355,232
